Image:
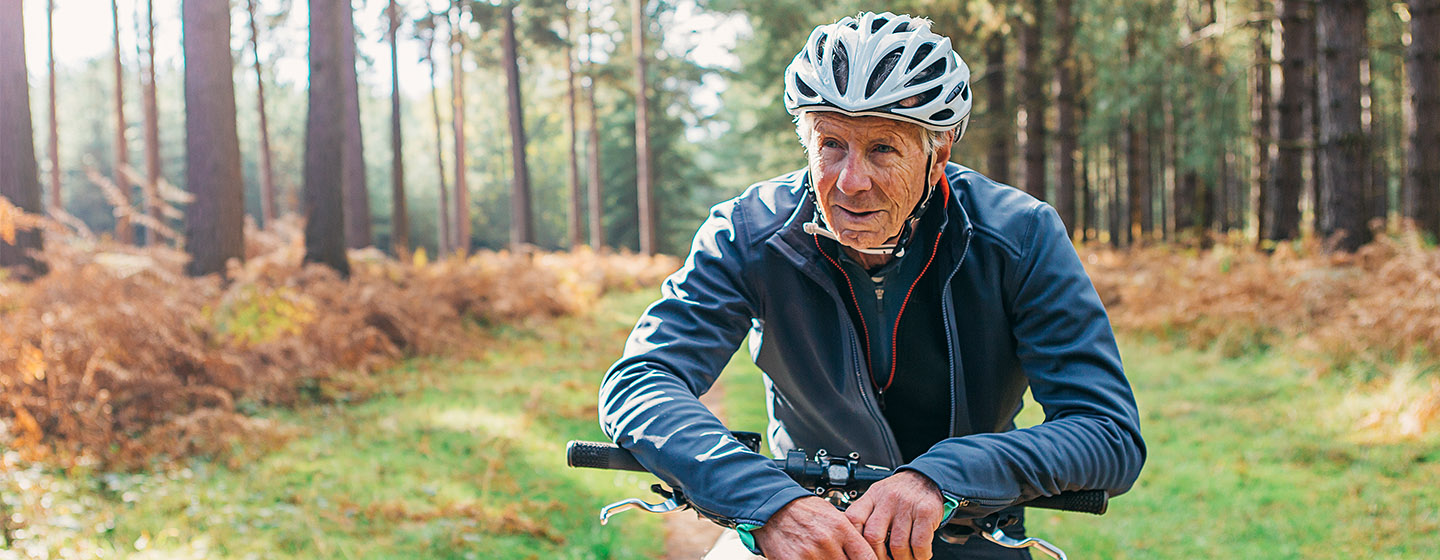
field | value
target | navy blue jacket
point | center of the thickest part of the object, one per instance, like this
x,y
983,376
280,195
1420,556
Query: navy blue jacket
x,y
1019,310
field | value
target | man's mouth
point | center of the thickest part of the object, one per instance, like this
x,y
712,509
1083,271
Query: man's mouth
x,y
853,214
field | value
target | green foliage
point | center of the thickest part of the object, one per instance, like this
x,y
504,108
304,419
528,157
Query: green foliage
x,y
1195,64
259,314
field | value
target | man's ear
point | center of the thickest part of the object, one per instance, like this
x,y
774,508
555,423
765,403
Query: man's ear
x,y
942,154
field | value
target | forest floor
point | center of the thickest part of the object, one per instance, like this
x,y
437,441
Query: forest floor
x,y
1249,457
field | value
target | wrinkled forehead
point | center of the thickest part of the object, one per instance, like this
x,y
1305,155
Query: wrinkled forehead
x,y
864,127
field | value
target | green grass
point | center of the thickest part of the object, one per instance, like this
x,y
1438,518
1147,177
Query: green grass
x,y
1250,457
456,459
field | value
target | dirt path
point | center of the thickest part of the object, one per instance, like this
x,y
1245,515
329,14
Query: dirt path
x,y
687,535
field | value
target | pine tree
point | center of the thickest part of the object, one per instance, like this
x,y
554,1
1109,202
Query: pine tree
x,y
214,220
324,204
1344,150
399,218
19,173
1422,187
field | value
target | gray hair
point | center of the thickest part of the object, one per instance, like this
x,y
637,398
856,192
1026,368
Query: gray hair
x,y
932,140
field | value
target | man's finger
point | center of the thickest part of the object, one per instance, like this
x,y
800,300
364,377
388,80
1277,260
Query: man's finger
x,y
901,526
921,538
877,529
857,549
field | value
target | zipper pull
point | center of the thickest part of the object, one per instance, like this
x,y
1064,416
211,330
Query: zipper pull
x,y
880,398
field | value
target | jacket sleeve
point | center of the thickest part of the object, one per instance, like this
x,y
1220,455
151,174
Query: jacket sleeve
x,y
649,401
1090,438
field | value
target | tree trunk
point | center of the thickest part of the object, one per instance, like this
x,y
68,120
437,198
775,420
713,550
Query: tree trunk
x,y
1002,145
643,175
1065,130
399,217
1137,156
461,243
215,219
123,232
522,224
357,192
1116,213
1282,208
1260,115
1032,100
1422,189
597,186
1216,192
1089,227
592,164
19,172
1197,216
1376,203
576,228
325,139
57,204
1169,156
269,210
1317,209
1220,193
1186,202
1344,150
446,235
152,128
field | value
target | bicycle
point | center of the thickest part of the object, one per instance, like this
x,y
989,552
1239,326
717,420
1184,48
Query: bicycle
x,y
839,480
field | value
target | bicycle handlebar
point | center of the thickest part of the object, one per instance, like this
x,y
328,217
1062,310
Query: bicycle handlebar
x,y
600,455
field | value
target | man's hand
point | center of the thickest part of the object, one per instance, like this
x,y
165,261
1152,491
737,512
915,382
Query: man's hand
x,y
903,510
811,529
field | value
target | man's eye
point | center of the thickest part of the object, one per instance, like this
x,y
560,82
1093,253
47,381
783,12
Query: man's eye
x,y
884,148
830,144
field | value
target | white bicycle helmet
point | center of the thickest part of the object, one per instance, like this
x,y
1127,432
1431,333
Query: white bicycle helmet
x,y
881,65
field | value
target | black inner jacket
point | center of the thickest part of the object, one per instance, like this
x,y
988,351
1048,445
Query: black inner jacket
x,y
916,398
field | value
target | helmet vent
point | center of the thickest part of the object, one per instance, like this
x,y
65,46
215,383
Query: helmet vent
x,y
804,88
942,115
962,90
877,23
882,71
930,73
840,65
928,96
819,53
921,52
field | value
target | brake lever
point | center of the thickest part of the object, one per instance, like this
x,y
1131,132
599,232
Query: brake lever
x,y
999,537
674,501
666,506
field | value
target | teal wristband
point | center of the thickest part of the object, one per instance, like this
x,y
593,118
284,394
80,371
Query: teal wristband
x,y
746,538
950,505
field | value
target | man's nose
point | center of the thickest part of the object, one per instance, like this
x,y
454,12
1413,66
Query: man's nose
x,y
854,177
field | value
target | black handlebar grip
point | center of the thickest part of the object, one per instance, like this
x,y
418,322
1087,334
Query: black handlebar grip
x,y
597,455
1085,501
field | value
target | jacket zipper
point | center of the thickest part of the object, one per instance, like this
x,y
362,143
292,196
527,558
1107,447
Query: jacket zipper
x,y
871,404
892,448
948,301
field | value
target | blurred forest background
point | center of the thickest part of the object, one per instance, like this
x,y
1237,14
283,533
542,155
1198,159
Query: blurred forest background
x,y
230,227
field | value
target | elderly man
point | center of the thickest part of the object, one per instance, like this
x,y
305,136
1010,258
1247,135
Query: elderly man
x,y
899,305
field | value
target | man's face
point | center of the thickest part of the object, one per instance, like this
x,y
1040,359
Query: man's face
x,y
868,173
